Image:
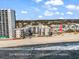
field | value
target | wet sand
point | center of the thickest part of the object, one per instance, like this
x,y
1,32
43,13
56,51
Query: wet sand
x,y
65,37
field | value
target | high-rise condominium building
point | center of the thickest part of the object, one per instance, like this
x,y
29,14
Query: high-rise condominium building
x,y
7,22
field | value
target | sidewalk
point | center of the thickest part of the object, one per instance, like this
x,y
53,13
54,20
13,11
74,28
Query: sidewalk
x,y
65,37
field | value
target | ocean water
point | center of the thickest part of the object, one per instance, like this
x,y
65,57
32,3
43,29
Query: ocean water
x,y
66,46
48,51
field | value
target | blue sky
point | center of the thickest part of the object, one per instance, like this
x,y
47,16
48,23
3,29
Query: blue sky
x,y
43,9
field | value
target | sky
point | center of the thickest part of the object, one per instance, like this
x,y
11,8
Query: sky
x,y
42,9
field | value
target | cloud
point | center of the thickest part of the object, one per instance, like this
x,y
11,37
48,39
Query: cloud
x,y
61,13
40,16
57,13
54,2
37,1
24,12
69,13
52,8
48,13
70,6
77,7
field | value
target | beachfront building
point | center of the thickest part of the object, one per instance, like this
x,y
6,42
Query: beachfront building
x,y
7,23
19,33
36,31
23,32
44,30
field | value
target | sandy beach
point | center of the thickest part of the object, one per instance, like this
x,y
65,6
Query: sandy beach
x,y
65,37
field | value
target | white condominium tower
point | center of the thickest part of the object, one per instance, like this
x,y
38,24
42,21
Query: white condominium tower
x,y
7,22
